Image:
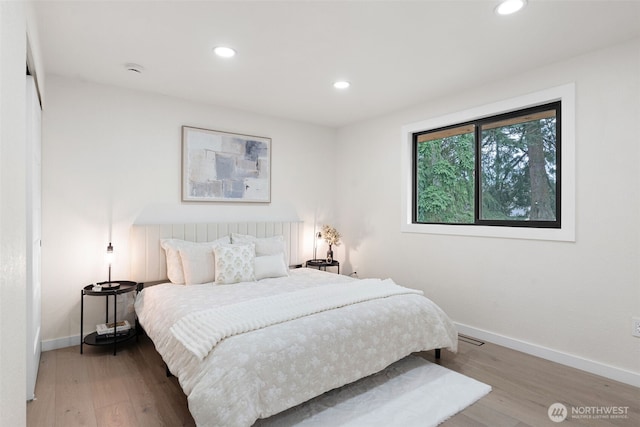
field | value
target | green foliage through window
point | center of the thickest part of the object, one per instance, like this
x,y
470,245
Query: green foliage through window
x,y
500,170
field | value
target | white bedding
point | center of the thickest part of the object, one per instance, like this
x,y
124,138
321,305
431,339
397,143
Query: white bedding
x,y
260,373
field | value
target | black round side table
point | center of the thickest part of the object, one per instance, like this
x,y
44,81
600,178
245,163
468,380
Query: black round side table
x,y
113,288
322,264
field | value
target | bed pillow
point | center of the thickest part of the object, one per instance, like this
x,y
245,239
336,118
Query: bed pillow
x,y
234,263
270,266
264,245
198,263
175,271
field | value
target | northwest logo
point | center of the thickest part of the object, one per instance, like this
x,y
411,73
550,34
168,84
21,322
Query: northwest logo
x,y
557,412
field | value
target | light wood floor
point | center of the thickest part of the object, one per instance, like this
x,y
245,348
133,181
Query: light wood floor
x,y
131,389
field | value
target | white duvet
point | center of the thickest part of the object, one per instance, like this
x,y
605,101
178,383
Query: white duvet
x,y
256,374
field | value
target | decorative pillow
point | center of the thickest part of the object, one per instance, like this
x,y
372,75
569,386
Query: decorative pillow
x,y
264,245
198,263
175,272
234,263
270,266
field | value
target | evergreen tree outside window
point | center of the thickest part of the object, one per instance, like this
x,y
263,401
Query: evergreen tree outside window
x,y
502,170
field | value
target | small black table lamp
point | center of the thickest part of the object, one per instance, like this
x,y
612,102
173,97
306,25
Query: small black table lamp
x,y
109,257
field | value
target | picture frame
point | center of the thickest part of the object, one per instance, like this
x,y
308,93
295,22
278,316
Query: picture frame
x,y
225,167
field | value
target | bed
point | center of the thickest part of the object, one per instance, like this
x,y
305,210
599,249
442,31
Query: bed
x,y
242,349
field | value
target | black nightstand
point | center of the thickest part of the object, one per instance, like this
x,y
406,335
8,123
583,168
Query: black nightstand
x,y
110,289
321,264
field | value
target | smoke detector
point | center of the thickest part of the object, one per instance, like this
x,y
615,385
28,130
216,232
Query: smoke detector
x,y
134,68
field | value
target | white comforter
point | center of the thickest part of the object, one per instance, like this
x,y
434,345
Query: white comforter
x,y
265,371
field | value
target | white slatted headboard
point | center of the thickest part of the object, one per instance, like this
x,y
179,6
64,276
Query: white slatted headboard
x,y
148,263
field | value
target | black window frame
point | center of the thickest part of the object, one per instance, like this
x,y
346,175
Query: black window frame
x,y
477,124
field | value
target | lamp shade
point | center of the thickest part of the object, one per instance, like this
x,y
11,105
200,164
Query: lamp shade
x,y
109,254
317,238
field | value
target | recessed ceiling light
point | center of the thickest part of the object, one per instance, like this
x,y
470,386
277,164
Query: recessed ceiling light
x,y
341,84
224,52
507,7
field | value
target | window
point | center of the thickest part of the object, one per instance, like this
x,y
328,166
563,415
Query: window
x,y
502,170
505,169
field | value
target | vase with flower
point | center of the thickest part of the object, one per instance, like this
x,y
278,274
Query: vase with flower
x,y
332,237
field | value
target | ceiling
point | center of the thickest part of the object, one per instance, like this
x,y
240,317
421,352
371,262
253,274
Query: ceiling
x,y
396,54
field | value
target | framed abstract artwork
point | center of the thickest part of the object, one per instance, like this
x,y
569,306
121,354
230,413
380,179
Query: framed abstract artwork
x,y
225,167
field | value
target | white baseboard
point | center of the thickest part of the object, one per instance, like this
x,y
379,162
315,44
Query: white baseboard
x,y
597,368
61,343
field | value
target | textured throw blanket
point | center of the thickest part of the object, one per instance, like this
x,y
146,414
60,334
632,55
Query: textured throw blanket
x,y
200,331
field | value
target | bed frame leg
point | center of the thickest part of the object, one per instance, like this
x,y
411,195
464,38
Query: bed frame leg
x,y
437,353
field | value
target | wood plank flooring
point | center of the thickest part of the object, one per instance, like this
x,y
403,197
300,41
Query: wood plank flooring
x,y
132,390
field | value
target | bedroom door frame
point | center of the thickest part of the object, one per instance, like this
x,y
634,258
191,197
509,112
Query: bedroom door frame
x,y
33,123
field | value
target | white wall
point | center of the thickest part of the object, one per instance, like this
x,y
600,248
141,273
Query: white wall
x,y
13,232
112,157
573,298
12,215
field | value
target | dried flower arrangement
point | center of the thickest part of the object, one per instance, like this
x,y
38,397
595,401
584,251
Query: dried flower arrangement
x,y
330,235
